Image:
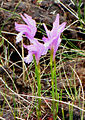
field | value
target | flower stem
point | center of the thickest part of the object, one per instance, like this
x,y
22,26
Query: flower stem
x,y
37,74
52,82
55,79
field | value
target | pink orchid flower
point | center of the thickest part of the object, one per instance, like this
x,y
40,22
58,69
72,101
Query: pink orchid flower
x,y
52,41
37,49
28,30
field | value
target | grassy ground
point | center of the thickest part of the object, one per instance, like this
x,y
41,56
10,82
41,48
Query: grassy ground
x,y
19,88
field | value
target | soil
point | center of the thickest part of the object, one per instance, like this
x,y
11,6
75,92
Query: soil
x,y
44,12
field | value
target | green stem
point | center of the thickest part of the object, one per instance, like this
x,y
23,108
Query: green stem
x,y
52,82
52,73
55,79
37,73
56,93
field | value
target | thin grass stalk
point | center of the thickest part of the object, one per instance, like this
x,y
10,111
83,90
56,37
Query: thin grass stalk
x,y
79,9
8,55
79,99
74,82
23,63
83,102
61,94
4,103
56,93
14,101
17,5
13,94
70,88
63,114
57,106
70,112
84,12
37,73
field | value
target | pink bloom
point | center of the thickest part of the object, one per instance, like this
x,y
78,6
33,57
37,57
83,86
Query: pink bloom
x,y
37,49
52,41
28,30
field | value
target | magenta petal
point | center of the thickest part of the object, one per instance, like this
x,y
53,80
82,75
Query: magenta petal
x,y
25,30
37,57
47,31
56,47
56,23
25,19
45,50
31,23
30,47
33,40
50,42
25,46
22,27
45,39
61,27
30,20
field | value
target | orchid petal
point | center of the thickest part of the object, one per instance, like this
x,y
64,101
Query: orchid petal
x,y
45,39
29,30
30,47
61,27
28,58
56,47
19,37
56,23
47,31
30,20
27,20
21,27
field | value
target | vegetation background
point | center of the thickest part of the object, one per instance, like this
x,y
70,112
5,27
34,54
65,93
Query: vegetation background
x,y
18,99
